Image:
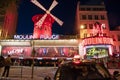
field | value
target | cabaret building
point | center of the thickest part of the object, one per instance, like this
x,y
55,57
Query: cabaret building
x,y
93,39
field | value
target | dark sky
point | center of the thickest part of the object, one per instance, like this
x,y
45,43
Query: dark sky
x,y
65,10
113,9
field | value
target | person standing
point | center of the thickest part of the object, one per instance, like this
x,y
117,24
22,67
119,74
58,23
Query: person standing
x,y
8,63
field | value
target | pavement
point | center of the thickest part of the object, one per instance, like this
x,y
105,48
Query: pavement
x,y
29,73
36,73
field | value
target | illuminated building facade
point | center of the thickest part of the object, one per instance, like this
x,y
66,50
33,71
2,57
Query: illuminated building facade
x,y
45,29
95,39
9,21
2,14
86,17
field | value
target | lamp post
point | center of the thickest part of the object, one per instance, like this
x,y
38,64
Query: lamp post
x,y
33,54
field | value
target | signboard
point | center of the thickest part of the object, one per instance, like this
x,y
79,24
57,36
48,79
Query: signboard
x,y
30,37
97,52
26,52
97,40
16,51
55,51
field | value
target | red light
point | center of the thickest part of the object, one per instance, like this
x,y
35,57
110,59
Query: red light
x,y
77,62
76,59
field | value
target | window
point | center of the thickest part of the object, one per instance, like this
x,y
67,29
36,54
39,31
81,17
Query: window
x,y
90,26
118,37
102,9
90,17
88,9
85,35
91,34
95,9
102,17
96,17
84,17
82,9
104,34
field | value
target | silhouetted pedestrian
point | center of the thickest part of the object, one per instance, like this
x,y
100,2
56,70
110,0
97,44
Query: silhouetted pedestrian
x,y
8,63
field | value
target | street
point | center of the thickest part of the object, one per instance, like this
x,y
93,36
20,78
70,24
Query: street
x,y
25,72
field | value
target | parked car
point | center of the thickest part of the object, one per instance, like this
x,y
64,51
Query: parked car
x,y
82,70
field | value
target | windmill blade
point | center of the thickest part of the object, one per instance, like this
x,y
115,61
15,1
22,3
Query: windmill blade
x,y
57,20
40,22
38,4
53,5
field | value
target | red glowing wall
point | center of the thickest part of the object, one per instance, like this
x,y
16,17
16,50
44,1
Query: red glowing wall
x,y
44,30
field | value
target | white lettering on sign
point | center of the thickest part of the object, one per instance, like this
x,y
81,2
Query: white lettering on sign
x,y
14,51
23,36
42,37
97,40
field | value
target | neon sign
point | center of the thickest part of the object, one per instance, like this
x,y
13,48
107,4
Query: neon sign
x,y
97,40
42,37
51,37
94,51
23,36
97,52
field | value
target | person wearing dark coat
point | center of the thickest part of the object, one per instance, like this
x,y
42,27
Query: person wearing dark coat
x,y
8,63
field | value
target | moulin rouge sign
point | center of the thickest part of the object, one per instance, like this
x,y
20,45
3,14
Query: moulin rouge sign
x,y
97,40
29,37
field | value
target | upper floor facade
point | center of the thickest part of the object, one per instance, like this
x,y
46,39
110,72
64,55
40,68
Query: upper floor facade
x,y
87,15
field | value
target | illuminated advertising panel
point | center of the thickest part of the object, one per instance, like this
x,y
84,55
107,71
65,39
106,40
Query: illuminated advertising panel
x,y
56,51
16,51
97,40
25,52
97,52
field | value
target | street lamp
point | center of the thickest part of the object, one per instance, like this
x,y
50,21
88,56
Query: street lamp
x,y
33,55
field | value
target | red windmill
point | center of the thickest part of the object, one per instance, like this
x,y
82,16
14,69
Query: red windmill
x,y
43,22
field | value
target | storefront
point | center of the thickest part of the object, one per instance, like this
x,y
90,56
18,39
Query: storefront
x,y
92,47
99,48
43,49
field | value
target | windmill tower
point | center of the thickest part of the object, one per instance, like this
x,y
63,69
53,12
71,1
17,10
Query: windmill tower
x,y
43,22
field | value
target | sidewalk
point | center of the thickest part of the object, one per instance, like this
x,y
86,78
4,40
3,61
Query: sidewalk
x,y
25,73
39,73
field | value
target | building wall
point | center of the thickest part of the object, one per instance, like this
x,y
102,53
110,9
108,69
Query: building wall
x,y
116,38
87,15
2,15
10,20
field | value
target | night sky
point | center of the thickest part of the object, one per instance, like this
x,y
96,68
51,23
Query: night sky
x,y
113,9
65,11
